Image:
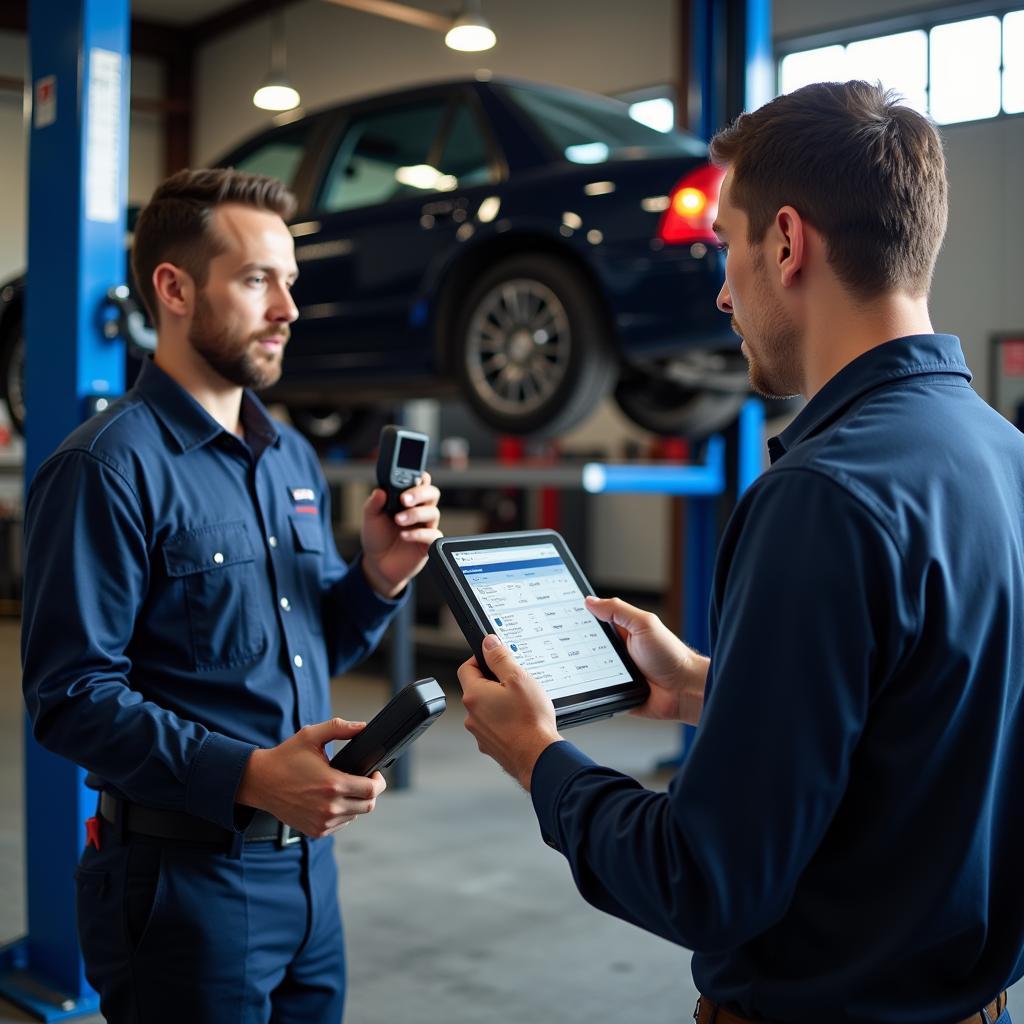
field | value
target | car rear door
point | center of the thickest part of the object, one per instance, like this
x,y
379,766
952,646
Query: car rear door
x,y
390,202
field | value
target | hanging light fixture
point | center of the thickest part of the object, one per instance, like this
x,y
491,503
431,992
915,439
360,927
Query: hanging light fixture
x,y
471,31
276,92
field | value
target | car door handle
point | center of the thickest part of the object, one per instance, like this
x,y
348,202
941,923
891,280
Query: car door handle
x,y
439,209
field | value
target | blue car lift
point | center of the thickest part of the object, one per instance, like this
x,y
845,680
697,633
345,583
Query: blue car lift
x,y
78,170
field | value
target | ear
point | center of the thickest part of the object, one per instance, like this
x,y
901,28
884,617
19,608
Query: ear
x,y
789,245
175,290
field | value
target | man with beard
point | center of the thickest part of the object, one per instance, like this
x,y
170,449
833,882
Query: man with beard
x,y
843,842
184,608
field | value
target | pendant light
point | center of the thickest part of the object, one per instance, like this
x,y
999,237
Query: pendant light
x,y
471,31
276,93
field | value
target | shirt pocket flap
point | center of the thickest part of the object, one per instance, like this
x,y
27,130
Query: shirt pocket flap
x,y
208,548
308,533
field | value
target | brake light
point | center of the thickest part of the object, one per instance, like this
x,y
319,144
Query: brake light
x,y
692,207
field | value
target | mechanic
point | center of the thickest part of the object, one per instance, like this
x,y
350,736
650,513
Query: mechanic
x,y
184,608
843,842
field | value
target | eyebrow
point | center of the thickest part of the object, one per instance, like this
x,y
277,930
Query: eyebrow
x,y
717,228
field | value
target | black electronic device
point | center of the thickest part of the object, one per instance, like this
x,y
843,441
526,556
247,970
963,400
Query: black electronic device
x,y
400,463
528,589
404,718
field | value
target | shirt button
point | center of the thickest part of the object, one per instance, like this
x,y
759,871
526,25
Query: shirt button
x,y
218,558
298,660
286,604
272,541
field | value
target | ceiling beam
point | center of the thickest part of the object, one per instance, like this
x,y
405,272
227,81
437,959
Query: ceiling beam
x,y
399,12
149,38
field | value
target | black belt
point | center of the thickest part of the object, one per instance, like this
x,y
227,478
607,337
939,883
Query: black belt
x,y
177,825
709,1012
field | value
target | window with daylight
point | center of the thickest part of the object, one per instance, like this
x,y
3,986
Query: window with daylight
x,y
954,71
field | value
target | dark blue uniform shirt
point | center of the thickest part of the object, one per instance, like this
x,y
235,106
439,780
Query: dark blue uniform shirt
x,y
845,840
184,600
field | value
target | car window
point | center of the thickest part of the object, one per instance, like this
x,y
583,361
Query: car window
x,y
385,156
464,156
592,129
279,157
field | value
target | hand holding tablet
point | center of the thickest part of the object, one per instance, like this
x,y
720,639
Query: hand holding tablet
x,y
528,589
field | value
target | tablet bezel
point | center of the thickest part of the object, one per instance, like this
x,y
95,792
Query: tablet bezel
x,y
570,708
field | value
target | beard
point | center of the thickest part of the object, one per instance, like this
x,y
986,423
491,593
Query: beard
x,y
773,363
239,360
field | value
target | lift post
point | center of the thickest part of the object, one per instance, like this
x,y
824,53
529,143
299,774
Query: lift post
x,y
78,170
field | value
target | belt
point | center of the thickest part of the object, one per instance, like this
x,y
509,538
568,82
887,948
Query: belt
x,y
159,824
709,1012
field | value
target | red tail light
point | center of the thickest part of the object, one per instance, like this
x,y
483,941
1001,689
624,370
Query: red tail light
x,y
693,207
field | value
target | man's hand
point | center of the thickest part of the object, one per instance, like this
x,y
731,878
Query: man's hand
x,y
295,782
512,719
395,548
676,673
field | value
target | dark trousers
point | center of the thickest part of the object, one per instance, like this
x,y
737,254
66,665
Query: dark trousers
x,y
174,932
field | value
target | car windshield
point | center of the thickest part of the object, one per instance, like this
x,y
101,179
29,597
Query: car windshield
x,y
592,129
279,156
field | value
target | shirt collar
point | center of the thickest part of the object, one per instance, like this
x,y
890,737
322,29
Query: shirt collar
x,y
910,356
187,421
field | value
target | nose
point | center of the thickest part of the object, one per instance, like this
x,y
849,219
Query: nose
x,y
724,300
283,308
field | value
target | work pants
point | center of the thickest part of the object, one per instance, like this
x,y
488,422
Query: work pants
x,y
177,932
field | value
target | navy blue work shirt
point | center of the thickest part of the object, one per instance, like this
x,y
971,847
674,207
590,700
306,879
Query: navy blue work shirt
x,y
184,601
845,840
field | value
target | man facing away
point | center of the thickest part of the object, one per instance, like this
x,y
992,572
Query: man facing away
x,y
843,844
184,608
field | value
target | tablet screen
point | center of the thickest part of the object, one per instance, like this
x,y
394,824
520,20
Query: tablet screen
x,y
533,603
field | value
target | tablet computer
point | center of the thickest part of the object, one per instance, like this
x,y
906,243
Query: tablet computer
x,y
528,589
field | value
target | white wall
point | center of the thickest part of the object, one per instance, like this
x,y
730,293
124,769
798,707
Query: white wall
x,y
335,53
145,147
977,289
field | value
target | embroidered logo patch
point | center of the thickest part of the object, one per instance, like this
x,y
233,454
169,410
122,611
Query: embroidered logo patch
x,y
305,499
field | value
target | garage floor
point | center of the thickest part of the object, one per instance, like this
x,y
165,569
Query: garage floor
x,y
455,911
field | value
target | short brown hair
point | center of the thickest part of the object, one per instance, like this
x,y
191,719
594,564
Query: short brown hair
x,y
864,170
176,225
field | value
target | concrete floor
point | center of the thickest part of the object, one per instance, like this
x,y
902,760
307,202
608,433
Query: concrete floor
x,y
455,911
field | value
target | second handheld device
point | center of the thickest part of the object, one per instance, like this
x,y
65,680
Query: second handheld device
x,y
400,463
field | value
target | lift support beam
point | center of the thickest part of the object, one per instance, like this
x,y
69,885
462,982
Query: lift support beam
x,y
78,171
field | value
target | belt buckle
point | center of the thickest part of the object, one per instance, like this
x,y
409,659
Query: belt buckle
x,y
286,836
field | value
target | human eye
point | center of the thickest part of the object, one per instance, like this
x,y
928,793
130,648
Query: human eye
x,y
256,280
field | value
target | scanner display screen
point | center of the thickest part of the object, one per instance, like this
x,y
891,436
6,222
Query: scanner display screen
x,y
534,605
410,453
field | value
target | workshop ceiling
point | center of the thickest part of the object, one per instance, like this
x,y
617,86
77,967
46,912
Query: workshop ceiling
x,y
179,12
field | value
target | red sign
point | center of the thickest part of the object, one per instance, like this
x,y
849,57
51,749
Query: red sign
x,y
1013,357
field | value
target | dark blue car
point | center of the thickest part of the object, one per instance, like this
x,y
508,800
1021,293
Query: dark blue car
x,y
525,246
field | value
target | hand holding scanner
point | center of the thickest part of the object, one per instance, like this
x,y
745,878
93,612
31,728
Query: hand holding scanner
x,y
400,463
404,718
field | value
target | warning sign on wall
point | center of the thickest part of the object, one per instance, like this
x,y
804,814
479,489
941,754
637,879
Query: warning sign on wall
x,y
1013,357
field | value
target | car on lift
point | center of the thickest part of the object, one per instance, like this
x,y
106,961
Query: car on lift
x,y
527,247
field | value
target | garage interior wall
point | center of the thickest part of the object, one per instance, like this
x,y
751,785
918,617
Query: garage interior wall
x,y
335,53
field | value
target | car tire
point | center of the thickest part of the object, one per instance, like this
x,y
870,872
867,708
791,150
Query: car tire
x,y
356,429
532,352
664,407
12,369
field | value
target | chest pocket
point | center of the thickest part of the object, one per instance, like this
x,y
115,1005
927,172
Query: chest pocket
x,y
217,567
308,534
